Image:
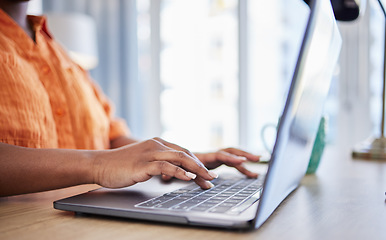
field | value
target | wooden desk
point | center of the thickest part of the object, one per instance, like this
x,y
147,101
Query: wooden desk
x,y
344,200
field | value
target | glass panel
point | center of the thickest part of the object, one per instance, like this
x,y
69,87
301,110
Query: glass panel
x,y
198,65
276,30
150,120
377,34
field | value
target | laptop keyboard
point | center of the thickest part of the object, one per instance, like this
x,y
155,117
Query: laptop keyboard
x,y
231,196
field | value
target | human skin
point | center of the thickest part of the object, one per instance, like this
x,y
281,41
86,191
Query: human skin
x,y
129,161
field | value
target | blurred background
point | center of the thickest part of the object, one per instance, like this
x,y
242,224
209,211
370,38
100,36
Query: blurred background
x,y
208,74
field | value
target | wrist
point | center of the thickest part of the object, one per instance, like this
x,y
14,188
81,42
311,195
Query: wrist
x,y
96,165
88,168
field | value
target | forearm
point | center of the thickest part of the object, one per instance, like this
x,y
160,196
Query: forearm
x,y
122,141
26,170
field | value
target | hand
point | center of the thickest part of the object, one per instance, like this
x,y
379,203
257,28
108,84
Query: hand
x,y
230,156
138,162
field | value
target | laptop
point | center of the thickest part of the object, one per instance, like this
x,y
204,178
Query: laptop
x,y
237,202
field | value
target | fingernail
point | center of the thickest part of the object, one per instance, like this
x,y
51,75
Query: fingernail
x,y
242,158
190,175
213,174
208,185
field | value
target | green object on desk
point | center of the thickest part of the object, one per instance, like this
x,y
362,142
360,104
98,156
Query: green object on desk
x,y
318,148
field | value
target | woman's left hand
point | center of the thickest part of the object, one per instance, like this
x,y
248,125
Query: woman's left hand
x,y
231,157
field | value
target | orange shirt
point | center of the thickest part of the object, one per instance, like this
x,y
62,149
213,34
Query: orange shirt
x,y
46,100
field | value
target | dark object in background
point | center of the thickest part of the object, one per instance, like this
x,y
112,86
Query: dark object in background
x,y
345,10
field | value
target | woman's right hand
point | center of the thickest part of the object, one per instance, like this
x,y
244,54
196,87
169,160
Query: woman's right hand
x,y
138,162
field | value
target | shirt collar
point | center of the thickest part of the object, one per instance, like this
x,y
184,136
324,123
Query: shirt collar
x,y
14,32
39,23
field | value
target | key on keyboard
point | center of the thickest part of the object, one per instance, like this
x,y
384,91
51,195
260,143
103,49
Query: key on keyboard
x,y
231,196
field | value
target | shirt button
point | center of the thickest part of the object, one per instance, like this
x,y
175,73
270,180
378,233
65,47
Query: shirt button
x,y
45,69
59,111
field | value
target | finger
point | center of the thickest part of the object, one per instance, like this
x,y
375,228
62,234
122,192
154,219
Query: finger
x,y
203,183
238,152
179,158
166,168
229,159
246,172
178,148
203,169
166,178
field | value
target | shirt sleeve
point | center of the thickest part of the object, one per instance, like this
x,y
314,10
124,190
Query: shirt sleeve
x,y
118,126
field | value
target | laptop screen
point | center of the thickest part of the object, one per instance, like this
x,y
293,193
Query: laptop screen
x,y
303,109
